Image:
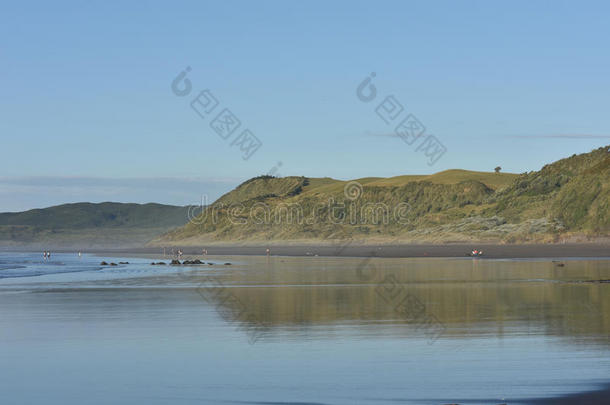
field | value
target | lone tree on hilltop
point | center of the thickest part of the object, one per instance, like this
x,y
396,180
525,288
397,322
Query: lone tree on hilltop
x,y
497,169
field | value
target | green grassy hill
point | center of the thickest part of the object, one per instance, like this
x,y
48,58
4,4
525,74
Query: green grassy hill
x,y
574,192
90,225
491,180
565,199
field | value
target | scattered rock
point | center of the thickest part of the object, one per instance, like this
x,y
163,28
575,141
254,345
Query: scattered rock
x,y
175,262
227,264
103,264
123,262
161,263
113,264
196,261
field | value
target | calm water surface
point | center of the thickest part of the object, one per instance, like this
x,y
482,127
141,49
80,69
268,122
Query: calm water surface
x,y
307,330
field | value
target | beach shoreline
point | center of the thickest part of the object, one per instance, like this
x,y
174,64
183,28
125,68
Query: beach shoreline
x,y
347,249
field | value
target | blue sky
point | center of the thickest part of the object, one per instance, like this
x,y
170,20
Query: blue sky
x,y
88,113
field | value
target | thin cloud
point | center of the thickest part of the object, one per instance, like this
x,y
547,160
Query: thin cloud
x,y
381,134
529,136
560,136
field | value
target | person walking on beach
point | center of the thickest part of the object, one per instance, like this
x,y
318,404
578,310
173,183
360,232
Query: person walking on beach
x,y
44,254
268,251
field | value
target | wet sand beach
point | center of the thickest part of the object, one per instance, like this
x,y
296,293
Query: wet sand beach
x,y
354,249
325,330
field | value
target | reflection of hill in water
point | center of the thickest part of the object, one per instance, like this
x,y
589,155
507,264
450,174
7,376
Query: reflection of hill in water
x,y
469,297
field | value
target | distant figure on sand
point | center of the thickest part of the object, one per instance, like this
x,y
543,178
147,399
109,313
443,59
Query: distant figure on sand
x,y
44,254
268,251
79,255
476,253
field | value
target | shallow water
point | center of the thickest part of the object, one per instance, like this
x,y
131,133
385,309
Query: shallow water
x,y
301,330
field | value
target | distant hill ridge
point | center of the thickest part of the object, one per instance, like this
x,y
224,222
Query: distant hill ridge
x,y
107,224
564,200
84,214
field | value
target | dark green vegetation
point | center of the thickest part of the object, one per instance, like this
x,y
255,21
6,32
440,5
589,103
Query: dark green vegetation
x,y
573,191
86,225
565,200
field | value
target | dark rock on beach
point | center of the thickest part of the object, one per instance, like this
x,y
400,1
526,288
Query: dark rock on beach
x,y
196,261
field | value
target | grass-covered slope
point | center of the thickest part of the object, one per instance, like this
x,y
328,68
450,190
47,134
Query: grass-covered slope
x,y
89,225
574,192
564,199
